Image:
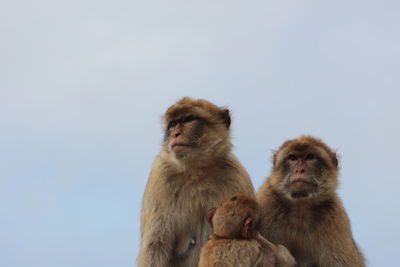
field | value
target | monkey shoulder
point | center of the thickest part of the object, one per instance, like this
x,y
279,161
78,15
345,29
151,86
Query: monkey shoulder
x,y
233,174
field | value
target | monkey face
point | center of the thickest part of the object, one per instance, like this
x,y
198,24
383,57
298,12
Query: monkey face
x,y
303,173
196,129
307,167
183,134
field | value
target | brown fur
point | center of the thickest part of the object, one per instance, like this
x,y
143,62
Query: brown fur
x,y
185,182
312,224
236,241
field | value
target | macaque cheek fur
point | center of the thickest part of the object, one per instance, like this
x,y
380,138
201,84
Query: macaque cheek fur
x,y
301,210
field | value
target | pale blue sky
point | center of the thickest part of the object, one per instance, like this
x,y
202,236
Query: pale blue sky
x,y
84,84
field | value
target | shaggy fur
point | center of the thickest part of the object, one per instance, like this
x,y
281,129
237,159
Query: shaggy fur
x,y
181,190
314,227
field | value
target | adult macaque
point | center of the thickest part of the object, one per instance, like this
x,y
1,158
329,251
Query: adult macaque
x,y
300,207
194,172
236,241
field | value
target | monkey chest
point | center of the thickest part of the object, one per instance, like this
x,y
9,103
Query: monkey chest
x,y
190,235
192,199
191,231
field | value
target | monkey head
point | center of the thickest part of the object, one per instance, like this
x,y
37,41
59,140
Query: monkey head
x,y
197,128
305,167
236,217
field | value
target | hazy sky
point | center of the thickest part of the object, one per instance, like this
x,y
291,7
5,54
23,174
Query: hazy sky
x,y
84,84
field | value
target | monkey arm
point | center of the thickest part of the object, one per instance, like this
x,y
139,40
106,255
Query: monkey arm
x,y
156,239
265,243
155,252
282,255
156,244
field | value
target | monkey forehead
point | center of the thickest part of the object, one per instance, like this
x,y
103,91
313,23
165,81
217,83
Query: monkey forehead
x,y
306,144
285,152
198,107
305,141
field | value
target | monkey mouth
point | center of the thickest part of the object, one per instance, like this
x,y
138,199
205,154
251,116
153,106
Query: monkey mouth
x,y
180,149
302,181
302,185
179,145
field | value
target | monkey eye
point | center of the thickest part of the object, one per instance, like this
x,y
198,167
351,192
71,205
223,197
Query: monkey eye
x,y
234,198
310,156
292,157
171,124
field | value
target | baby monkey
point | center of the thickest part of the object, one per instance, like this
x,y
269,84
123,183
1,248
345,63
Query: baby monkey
x,y
236,241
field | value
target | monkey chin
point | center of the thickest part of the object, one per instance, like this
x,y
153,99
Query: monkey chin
x,y
180,151
299,190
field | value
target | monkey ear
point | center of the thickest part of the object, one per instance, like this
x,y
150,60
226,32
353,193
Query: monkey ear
x,y
247,228
226,117
210,215
335,159
274,158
